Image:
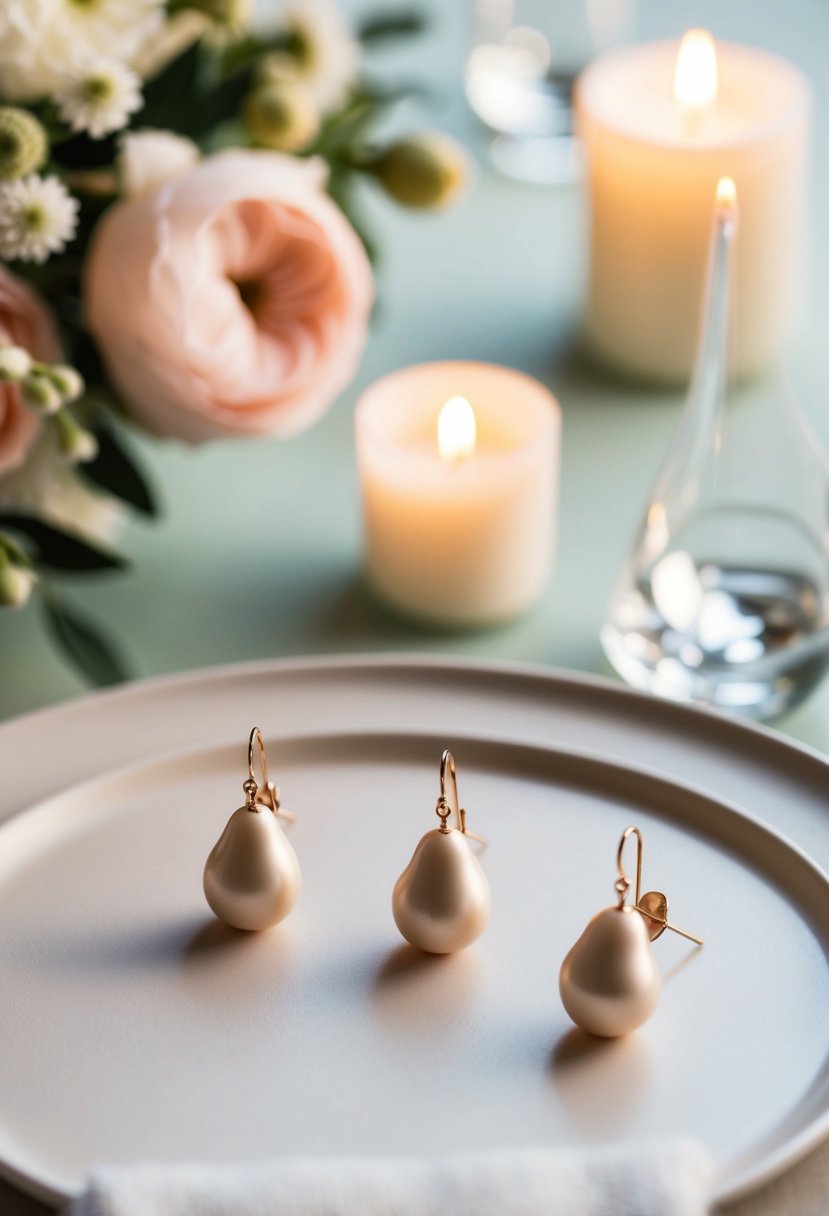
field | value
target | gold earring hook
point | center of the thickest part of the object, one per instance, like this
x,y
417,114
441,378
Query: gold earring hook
x,y
623,883
653,905
442,810
265,791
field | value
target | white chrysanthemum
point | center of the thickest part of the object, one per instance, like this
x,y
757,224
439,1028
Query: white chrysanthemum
x,y
47,486
42,40
325,55
37,217
99,97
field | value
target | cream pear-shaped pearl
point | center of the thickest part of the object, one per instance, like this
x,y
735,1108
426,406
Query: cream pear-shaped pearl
x,y
609,981
251,878
441,901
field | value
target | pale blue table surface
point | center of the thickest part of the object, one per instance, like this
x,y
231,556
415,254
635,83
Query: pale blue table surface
x,y
259,552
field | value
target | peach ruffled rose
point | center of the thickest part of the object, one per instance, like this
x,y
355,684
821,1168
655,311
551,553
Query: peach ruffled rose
x,y
24,321
232,300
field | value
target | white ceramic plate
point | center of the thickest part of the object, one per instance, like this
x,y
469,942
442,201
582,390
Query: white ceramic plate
x,y
131,1028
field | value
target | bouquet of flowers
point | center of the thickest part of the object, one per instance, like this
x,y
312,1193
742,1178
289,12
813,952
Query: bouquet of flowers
x,y
178,251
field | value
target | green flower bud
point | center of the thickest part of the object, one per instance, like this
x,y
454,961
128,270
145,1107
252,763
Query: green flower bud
x,y
301,45
40,394
15,363
423,171
68,382
75,442
16,583
281,115
226,14
276,67
23,143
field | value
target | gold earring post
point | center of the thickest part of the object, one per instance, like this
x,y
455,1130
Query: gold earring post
x,y
651,903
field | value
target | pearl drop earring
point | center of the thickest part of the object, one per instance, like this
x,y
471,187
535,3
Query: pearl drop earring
x,y
251,878
609,981
441,901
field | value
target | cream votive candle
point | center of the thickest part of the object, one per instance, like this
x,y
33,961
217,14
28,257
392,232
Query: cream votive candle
x,y
459,476
661,124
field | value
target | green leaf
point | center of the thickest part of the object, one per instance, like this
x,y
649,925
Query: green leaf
x,y
94,655
203,87
392,25
57,549
346,127
245,52
115,470
221,102
19,556
172,92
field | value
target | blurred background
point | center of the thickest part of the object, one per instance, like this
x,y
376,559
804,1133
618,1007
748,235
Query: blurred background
x,y
259,551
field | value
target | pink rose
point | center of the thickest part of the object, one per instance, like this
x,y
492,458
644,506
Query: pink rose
x,y
233,299
24,321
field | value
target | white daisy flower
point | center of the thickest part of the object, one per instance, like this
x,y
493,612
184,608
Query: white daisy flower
x,y
40,40
37,217
99,97
324,54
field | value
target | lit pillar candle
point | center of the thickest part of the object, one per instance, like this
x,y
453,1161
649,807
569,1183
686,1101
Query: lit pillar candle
x,y
661,123
459,475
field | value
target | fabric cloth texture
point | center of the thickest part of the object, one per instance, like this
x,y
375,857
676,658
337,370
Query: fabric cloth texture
x,y
670,1179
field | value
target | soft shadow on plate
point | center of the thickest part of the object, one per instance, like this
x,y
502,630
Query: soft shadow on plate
x,y
600,1081
121,949
404,962
685,961
215,941
414,991
213,937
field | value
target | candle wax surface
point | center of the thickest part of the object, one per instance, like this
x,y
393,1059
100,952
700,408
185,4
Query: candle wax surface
x,y
463,541
652,170
633,95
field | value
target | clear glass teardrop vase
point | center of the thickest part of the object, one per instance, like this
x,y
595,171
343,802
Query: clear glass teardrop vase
x,y
724,596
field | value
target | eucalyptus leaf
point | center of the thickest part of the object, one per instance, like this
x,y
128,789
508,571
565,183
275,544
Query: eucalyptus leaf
x,y
392,25
56,549
115,470
221,102
172,91
246,51
18,555
88,649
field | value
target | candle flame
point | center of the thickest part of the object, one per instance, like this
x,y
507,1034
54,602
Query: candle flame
x,y
726,197
456,429
695,74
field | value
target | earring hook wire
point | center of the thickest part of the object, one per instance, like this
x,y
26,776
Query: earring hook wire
x,y
265,791
444,809
623,886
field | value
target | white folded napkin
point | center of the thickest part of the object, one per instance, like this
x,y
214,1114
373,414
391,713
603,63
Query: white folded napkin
x,y
659,1180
